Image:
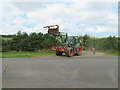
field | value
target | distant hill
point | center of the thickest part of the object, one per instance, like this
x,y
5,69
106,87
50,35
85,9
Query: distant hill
x,y
6,36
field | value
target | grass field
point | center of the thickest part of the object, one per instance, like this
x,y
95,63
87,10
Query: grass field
x,y
7,38
40,53
26,54
109,52
113,52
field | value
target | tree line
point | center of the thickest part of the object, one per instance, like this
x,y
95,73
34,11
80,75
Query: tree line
x,y
25,42
7,36
37,41
107,43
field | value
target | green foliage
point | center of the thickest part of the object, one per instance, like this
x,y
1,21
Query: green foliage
x,y
118,41
6,45
109,43
0,43
85,40
38,41
19,42
25,42
49,40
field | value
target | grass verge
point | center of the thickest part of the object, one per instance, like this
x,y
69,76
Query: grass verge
x,y
26,54
6,38
113,52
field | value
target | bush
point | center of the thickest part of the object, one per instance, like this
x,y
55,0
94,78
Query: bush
x,y
6,45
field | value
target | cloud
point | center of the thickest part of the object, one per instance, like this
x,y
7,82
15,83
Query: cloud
x,y
75,18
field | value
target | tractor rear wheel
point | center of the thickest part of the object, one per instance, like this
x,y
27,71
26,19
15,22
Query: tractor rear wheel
x,y
70,52
79,51
58,53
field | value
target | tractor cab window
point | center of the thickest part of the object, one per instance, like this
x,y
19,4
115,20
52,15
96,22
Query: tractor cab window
x,y
70,40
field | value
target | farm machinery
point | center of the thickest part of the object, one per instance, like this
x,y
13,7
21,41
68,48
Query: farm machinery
x,y
69,45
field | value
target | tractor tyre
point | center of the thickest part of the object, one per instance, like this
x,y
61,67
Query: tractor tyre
x,y
58,53
79,51
70,52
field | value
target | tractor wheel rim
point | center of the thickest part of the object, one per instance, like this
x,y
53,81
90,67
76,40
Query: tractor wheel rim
x,y
71,52
79,50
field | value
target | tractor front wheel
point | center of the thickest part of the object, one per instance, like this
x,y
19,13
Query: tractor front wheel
x,y
70,52
58,53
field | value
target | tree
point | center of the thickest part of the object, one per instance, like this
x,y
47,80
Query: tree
x,y
6,45
86,41
111,43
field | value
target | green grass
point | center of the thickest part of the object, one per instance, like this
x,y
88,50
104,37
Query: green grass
x,y
0,54
112,52
7,38
26,54
109,52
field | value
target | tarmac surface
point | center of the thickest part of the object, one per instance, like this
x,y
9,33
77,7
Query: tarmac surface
x,y
85,71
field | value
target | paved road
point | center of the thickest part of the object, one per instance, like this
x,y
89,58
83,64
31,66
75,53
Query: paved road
x,y
86,71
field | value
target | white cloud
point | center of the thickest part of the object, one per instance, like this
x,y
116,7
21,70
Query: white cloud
x,y
61,0
73,18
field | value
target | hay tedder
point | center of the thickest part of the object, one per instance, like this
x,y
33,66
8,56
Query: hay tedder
x,y
69,45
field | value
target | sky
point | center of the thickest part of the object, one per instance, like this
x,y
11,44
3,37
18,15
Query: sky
x,y
98,19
